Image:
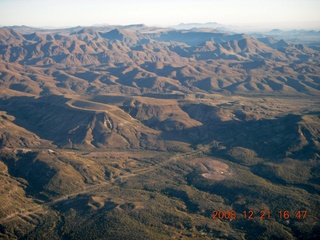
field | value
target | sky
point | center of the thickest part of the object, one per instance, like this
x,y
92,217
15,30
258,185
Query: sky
x,y
284,14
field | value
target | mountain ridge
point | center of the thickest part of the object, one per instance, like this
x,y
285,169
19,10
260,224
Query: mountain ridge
x,y
88,48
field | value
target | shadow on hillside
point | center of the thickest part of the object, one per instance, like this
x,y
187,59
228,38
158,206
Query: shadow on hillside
x,y
50,118
272,139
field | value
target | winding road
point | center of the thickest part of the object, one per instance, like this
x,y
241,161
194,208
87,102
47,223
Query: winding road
x,y
23,213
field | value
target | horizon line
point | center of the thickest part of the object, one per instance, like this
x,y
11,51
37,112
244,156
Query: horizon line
x,y
230,27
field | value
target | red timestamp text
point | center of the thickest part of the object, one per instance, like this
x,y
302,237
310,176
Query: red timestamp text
x,y
262,214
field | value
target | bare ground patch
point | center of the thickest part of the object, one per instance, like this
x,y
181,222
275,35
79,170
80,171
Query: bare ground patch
x,y
212,169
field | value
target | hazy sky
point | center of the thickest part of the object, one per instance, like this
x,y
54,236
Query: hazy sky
x,y
63,13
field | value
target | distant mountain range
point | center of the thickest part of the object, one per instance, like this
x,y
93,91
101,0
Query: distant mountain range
x,y
213,25
139,59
